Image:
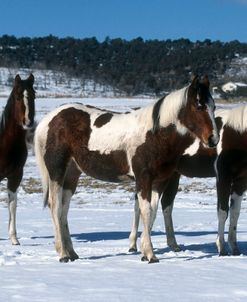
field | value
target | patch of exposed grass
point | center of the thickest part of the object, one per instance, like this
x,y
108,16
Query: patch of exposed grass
x,y
31,185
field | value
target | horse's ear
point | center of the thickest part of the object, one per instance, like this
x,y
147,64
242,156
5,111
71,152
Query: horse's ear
x,y
195,82
17,79
31,78
205,81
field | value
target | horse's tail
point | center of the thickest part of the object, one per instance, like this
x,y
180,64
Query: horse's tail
x,y
39,147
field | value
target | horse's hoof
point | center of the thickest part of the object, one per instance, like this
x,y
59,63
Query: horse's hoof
x,y
236,252
153,260
133,250
15,241
223,254
176,248
64,259
75,257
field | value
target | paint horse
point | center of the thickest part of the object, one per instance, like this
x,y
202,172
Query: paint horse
x,y
144,145
17,118
228,163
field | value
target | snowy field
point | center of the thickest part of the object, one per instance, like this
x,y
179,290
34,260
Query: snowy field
x,y
100,219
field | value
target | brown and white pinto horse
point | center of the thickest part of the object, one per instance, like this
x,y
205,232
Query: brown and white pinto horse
x,y
17,118
228,162
144,145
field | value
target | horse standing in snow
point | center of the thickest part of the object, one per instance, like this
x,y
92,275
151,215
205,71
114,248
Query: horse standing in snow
x,y
17,118
144,145
228,163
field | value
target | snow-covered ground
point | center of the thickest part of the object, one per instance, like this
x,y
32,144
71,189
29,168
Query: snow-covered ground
x,y
100,219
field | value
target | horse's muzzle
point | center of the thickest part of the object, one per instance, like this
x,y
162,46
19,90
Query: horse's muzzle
x,y
29,126
213,141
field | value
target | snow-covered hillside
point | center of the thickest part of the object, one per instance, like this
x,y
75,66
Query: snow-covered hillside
x,y
49,83
100,219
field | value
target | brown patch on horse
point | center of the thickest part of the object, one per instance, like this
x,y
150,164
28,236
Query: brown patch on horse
x,y
66,129
155,154
198,165
103,119
111,167
233,139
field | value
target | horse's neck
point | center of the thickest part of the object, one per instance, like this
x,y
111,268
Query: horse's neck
x,y
8,125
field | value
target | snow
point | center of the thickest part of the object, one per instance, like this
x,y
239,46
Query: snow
x,y
230,86
100,219
50,83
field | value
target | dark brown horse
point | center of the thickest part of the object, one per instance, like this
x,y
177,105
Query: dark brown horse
x,y
228,162
17,118
144,145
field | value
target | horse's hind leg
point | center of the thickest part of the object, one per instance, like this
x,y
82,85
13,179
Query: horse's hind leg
x,y
59,205
167,201
134,230
69,187
12,185
58,213
238,189
235,207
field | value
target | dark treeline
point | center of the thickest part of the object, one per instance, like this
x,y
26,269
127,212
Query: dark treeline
x,y
133,67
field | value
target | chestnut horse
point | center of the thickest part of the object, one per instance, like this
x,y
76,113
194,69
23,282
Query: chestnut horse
x,y
144,145
228,162
17,118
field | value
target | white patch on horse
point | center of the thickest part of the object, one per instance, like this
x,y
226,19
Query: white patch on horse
x,y
235,208
210,108
25,97
12,204
220,242
223,114
171,107
237,118
193,148
123,132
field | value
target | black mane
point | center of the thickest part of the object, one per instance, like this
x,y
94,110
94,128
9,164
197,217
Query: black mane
x,y
156,114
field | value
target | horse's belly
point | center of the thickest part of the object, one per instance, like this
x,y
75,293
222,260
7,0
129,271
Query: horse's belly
x,y
111,167
196,166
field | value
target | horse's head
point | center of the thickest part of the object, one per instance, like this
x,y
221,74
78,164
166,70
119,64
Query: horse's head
x,y
24,96
198,114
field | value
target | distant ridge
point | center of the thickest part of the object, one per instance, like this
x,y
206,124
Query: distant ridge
x,y
116,67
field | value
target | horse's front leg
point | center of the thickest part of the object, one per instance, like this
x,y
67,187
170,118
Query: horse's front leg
x,y
134,230
12,185
235,207
167,201
223,193
148,216
12,205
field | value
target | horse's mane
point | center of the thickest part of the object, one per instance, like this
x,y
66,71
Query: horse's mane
x,y
6,113
237,118
156,114
171,103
